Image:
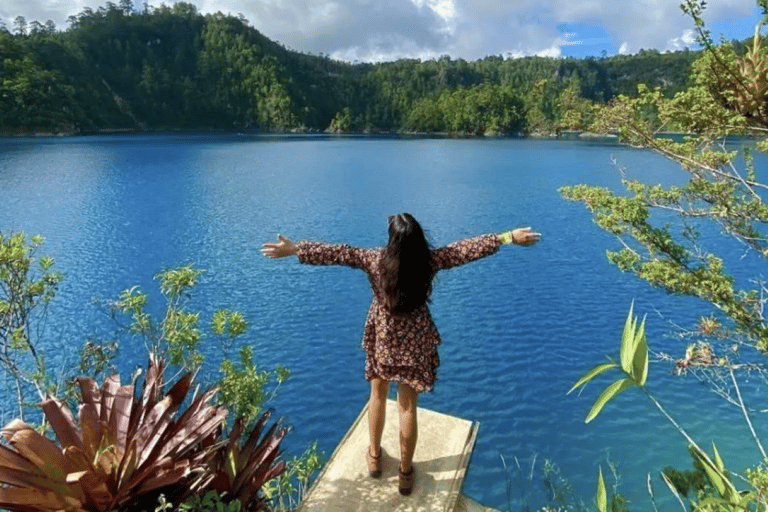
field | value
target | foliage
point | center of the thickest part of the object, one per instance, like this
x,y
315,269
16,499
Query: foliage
x,y
723,194
241,467
124,451
243,388
172,67
27,285
286,491
210,502
634,366
482,109
177,336
240,471
127,450
538,487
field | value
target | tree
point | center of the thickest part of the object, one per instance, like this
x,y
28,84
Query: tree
x,y
660,228
20,25
27,285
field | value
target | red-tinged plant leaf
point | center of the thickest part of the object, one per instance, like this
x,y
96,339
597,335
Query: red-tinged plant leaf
x,y
150,392
179,390
253,476
89,489
120,416
195,409
128,464
35,500
259,457
40,451
96,491
254,464
12,427
92,430
77,458
150,434
164,479
108,392
36,479
63,423
12,460
252,441
210,420
160,417
89,391
191,425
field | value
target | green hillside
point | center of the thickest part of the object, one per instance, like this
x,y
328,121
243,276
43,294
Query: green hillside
x,y
172,68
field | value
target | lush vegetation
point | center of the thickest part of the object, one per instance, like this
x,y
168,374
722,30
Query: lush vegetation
x,y
128,449
170,67
667,237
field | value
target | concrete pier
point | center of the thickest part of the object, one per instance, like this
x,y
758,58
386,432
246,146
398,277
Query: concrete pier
x,y
442,456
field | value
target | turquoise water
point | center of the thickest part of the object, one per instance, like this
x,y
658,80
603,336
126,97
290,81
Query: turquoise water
x,y
518,328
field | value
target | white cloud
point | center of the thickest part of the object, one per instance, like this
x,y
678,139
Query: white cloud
x,y
470,29
687,39
623,49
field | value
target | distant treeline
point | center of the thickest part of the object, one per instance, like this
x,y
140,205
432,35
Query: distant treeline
x,y
171,68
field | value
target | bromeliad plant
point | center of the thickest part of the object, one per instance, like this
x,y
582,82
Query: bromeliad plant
x,y
127,451
633,365
239,471
123,454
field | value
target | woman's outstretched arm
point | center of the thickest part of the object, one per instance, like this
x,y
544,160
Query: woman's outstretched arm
x,y
470,249
281,249
318,253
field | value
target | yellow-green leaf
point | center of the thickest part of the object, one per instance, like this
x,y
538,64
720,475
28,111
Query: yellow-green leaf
x,y
594,372
601,497
718,459
640,356
627,342
718,477
609,392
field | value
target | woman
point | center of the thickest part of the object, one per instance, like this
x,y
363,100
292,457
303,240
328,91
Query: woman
x,y
400,338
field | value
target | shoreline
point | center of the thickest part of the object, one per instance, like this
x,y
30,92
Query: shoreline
x,y
569,135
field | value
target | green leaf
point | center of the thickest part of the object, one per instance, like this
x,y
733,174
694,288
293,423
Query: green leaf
x,y
627,342
601,497
718,459
717,477
640,356
611,391
594,372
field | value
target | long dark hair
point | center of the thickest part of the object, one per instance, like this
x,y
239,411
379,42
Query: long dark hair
x,y
406,269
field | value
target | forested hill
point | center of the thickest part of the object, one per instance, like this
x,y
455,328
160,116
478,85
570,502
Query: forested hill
x,y
171,68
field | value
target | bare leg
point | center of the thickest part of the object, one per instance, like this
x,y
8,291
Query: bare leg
x,y
377,408
407,400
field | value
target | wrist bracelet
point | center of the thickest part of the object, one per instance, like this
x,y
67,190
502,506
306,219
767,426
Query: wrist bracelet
x,y
507,237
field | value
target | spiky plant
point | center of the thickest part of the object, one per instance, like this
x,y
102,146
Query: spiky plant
x,y
124,453
240,471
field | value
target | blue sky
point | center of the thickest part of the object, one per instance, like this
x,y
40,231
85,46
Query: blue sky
x,y
592,39
377,30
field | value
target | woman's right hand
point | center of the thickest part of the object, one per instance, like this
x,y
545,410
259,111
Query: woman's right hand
x,y
279,250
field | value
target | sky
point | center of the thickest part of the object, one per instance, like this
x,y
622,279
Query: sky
x,y
386,30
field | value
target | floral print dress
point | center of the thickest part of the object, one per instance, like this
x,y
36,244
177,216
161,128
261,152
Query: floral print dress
x,y
400,347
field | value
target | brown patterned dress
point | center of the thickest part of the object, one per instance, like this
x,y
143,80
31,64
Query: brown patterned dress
x,y
400,347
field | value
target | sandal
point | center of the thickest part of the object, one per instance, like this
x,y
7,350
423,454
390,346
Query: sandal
x,y
374,463
406,481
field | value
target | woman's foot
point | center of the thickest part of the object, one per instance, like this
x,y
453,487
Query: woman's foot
x,y
374,463
406,481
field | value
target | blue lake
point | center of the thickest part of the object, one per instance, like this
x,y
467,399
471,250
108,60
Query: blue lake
x,y
518,328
